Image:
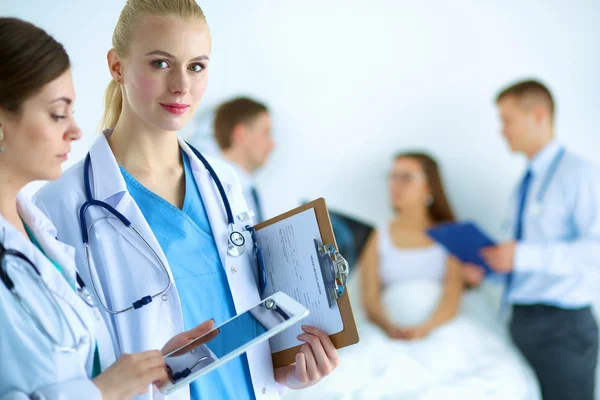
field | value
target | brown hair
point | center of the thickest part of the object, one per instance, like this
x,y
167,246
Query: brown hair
x,y
241,110
29,59
530,92
439,210
130,15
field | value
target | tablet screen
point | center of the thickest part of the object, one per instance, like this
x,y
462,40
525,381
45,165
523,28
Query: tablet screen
x,y
231,339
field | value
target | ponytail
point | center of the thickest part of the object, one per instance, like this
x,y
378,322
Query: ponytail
x,y
113,103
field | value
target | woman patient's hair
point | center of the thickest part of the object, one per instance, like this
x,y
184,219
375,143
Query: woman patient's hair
x,y
439,209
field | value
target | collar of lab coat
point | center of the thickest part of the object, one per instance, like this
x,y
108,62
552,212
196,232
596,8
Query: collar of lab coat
x,y
212,200
44,232
109,185
64,255
107,180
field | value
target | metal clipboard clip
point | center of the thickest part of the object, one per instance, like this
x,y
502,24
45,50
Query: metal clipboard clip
x,y
334,269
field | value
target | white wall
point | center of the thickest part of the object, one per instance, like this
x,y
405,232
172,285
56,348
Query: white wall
x,y
350,84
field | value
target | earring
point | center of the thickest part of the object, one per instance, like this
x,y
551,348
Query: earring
x,y
429,201
1,137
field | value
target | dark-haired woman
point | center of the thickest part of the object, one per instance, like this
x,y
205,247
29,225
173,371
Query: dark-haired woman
x,y
53,342
401,251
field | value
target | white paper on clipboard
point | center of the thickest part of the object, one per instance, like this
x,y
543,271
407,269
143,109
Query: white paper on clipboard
x,y
292,267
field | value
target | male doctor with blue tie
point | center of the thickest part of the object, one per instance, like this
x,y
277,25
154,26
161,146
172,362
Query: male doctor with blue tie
x,y
555,252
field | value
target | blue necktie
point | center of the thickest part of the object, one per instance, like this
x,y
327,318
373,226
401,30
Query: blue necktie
x,y
522,200
523,192
259,214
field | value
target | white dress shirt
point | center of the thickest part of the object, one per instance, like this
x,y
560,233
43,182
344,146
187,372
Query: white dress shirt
x,y
560,249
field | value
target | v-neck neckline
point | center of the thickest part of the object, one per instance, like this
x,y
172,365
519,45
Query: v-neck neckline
x,y
188,186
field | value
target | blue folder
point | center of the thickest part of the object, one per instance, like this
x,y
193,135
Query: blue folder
x,y
464,240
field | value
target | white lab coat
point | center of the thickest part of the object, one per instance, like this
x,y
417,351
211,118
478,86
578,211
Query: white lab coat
x,y
126,270
30,366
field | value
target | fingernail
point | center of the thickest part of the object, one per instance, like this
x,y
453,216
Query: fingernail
x,y
213,320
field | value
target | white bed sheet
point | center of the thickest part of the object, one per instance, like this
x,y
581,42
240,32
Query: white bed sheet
x,y
471,357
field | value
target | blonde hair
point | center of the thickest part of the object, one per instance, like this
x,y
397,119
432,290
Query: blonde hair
x,y
133,11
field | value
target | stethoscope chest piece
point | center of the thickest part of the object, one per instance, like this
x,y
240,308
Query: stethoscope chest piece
x,y
269,304
237,243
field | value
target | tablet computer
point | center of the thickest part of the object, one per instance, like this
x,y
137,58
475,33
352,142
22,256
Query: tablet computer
x,y
223,343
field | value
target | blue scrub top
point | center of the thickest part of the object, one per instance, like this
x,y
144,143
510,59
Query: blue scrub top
x,y
186,238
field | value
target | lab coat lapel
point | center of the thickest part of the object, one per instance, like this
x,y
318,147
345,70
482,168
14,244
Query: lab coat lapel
x,y
45,233
54,250
129,208
213,203
109,185
215,210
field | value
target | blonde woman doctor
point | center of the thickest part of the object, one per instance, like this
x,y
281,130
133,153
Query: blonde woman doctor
x,y
53,341
160,231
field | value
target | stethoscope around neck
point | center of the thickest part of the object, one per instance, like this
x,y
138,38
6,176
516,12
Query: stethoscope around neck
x,y
236,241
50,296
536,206
539,198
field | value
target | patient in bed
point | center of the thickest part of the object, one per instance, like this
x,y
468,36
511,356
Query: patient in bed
x,y
400,252
421,336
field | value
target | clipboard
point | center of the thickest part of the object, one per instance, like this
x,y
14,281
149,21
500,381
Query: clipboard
x,y
350,228
329,260
351,234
